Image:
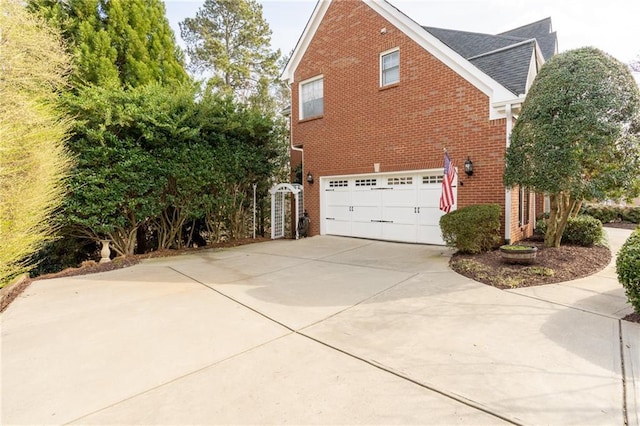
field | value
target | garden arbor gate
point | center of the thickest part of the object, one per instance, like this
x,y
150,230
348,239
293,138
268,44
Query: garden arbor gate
x,y
279,208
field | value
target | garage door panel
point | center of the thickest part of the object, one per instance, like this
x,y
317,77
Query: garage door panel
x,y
338,227
399,197
366,197
366,214
430,235
339,197
398,214
395,207
364,229
430,216
405,232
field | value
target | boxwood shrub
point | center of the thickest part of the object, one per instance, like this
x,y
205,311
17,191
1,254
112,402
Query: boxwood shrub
x,y
472,229
607,214
583,230
628,268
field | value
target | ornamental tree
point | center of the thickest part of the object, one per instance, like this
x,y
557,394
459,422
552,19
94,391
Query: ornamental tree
x,y
578,135
33,160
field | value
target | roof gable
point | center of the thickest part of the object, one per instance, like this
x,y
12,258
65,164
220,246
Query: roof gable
x,y
506,59
497,65
509,66
542,32
484,83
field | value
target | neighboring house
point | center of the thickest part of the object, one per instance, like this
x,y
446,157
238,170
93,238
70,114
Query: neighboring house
x,y
376,98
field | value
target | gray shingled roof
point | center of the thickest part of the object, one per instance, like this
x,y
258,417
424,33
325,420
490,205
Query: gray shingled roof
x,y
541,31
510,67
505,57
471,44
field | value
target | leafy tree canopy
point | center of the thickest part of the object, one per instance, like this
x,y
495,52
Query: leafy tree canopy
x,y
123,43
577,136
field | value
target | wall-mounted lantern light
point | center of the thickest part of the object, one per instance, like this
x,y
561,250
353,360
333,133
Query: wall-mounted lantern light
x,y
309,177
468,167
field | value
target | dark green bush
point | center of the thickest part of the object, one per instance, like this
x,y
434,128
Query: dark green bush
x,y
628,268
472,229
607,214
541,224
631,214
604,214
583,230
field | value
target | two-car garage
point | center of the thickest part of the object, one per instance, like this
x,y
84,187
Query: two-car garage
x,y
395,206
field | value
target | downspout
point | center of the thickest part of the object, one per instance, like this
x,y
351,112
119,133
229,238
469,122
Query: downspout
x,y
293,148
507,194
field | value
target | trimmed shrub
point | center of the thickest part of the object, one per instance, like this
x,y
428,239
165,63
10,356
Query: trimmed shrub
x,y
607,214
631,214
541,224
583,230
628,269
604,214
472,229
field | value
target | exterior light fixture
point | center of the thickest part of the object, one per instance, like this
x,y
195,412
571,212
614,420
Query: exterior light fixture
x,y
309,177
468,167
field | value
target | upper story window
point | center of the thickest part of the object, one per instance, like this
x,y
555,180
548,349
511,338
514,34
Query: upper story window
x,y
389,67
311,98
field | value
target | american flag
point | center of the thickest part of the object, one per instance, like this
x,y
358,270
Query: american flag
x,y
447,199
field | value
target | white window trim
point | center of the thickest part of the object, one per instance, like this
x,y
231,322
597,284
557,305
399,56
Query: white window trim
x,y
382,54
302,83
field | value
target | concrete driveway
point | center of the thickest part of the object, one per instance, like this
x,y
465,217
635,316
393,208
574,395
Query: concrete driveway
x,y
324,330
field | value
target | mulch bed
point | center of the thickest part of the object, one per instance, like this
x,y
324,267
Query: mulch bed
x,y
552,265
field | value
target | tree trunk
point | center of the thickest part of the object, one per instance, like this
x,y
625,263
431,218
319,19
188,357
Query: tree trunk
x,y
552,222
577,205
562,206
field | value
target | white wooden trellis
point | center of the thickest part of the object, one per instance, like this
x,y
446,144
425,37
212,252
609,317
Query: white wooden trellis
x,y
279,206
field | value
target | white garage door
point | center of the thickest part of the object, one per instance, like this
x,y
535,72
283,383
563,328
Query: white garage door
x,y
393,207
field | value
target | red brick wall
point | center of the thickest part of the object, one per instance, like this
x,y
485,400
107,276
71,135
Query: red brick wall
x,y
404,127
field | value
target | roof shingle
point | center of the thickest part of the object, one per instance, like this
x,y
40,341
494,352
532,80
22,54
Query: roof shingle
x,y
505,57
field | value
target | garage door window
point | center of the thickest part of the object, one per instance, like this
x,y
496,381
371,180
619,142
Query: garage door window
x,y
431,179
366,182
338,183
400,181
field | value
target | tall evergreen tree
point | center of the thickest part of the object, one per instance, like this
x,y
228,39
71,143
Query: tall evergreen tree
x,y
123,43
231,39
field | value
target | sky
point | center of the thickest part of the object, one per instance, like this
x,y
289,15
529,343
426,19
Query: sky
x,y
611,25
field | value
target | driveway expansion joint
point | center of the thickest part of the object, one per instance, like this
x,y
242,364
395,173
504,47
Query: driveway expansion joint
x,y
375,364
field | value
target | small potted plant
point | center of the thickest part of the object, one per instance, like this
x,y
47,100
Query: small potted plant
x,y
518,253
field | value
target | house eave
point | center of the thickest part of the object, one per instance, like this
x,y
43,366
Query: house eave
x,y
305,39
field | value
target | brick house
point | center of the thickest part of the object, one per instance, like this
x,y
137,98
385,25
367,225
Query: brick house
x,y
376,98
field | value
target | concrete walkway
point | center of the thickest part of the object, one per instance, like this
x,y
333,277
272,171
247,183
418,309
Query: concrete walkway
x,y
324,330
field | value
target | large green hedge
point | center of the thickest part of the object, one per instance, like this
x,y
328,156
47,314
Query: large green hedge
x,y
628,268
607,214
472,229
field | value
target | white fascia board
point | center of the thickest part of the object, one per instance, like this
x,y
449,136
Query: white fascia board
x,y
533,72
537,61
305,39
494,90
515,104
